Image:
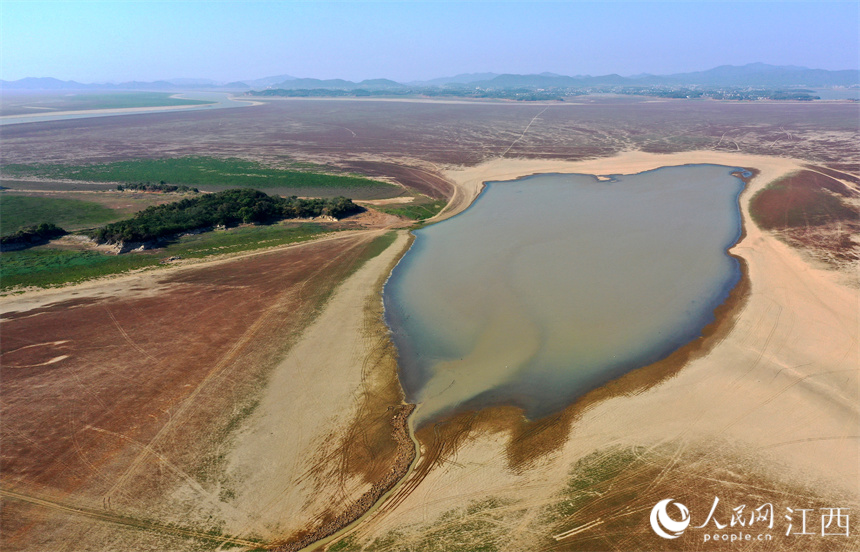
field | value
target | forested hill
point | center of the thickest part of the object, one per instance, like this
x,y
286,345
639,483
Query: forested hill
x,y
221,208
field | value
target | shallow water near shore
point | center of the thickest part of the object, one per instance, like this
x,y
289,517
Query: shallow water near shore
x,y
550,286
219,100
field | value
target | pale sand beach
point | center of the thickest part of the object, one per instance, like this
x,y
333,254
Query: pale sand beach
x,y
782,383
277,463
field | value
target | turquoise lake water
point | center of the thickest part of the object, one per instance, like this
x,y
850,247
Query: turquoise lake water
x,y
552,285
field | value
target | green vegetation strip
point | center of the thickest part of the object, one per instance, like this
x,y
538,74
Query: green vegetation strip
x,y
223,208
194,171
18,212
416,211
48,267
44,267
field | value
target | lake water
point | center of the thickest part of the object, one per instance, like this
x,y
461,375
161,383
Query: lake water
x,y
552,285
220,100
838,93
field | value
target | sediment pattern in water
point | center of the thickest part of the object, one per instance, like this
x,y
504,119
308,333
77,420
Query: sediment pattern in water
x,y
552,285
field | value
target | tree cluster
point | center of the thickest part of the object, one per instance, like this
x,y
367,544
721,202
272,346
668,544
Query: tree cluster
x,y
225,208
160,187
32,235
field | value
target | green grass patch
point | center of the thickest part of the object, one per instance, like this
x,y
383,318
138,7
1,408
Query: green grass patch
x,y
346,545
17,212
196,171
246,238
42,267
45,267
378,245
475,528
591,475
416,211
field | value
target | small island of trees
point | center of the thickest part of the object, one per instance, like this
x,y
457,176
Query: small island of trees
x,y
225,208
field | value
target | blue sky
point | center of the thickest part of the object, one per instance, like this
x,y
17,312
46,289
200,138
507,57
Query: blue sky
x,y
113,41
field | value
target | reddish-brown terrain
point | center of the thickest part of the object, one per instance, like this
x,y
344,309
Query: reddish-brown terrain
x,y
114,399
429,134
107,400
815,212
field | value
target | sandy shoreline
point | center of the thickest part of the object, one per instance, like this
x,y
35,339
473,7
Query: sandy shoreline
x,y
779,378
806,292
346,374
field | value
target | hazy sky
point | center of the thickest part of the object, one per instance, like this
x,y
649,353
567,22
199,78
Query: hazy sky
x,y
124,40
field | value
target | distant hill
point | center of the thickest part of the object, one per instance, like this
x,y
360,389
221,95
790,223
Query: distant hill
x,y
463,78
46,83
193,82
761,74
753,74
550,81
338,84
265,82
55,84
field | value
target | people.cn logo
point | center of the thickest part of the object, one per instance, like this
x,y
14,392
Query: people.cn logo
x,y
665,526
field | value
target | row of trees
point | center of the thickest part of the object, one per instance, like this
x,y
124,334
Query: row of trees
x,y
159,187
222,208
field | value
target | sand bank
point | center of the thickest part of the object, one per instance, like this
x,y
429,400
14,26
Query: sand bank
x,y
284,464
